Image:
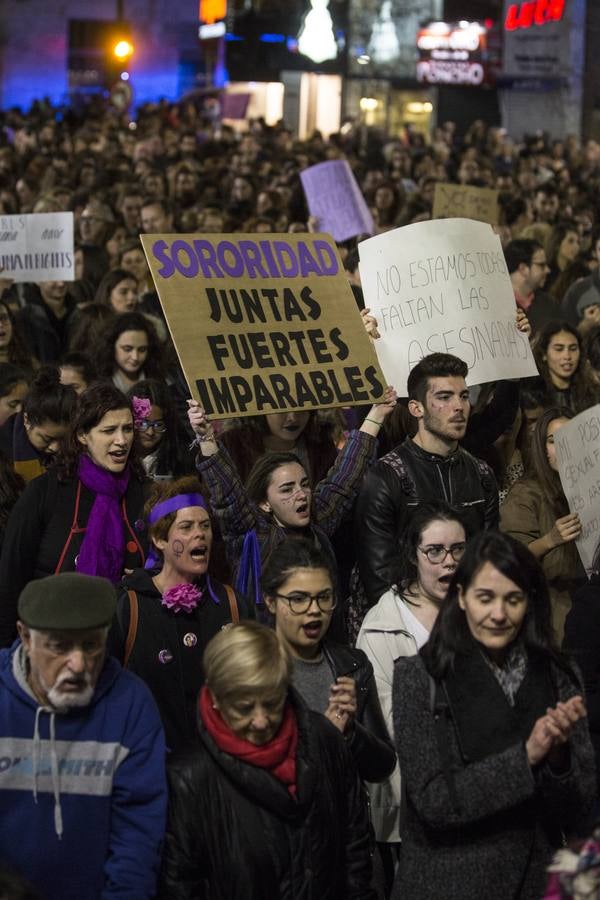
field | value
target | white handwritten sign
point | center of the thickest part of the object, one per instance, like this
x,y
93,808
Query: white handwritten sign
x,y
37,247
578,455
443,287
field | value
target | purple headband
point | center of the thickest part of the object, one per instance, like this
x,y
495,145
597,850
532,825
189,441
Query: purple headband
x,y
180,501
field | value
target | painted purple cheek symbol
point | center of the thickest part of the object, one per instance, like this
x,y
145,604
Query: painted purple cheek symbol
x,y
178,548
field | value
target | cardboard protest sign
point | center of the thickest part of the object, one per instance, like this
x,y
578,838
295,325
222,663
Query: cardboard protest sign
x,y
263,323
463,201
334,197
577,445
37,247
443,287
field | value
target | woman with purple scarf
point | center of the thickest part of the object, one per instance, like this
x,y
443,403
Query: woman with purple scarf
x,y
84,514
168,611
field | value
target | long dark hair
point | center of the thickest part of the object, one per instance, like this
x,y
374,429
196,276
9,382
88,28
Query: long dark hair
x,y
172,456
95,402
579,385
451,636
109,282
259,478
406,567
114,328
538,466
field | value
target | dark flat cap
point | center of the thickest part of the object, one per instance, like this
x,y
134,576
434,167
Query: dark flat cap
x,y
67,602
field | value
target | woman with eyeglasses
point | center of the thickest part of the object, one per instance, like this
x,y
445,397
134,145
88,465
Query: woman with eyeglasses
x,y
492,738
334,679
161,441
399,625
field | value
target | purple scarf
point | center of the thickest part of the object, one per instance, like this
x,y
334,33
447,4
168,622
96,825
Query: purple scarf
x,y
103,549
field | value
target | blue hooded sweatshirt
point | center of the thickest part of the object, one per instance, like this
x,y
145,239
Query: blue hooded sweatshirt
x,y
82,794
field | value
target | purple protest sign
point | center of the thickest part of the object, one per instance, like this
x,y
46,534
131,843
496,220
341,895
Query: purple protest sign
x,y
335,199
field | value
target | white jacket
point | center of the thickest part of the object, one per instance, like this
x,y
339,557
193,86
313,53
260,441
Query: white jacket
x,y
384,637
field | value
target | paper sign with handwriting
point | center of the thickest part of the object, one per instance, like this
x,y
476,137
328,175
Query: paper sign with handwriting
x,y
263,323
334,197
443,287
37,247
464,201
577,447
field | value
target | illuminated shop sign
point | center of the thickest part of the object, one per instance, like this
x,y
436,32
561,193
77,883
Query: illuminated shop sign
x,y
454,53
532,13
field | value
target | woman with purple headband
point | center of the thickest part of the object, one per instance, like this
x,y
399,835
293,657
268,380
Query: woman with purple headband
x,y
169,611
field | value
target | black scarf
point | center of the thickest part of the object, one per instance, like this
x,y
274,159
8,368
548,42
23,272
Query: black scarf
x,y
485,721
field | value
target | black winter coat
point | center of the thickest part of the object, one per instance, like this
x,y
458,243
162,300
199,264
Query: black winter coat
x,y
235,832
482,826
582,643
370,743
400,482
40,541
168,649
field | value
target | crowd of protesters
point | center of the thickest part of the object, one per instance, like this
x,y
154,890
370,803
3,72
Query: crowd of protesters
x,y
220,638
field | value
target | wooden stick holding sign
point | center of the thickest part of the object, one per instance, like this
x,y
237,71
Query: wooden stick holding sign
x,y
263,323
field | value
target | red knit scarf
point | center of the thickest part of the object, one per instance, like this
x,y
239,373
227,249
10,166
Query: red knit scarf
x,y
278,756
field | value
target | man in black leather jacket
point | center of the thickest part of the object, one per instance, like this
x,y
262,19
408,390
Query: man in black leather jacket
x,y
430,466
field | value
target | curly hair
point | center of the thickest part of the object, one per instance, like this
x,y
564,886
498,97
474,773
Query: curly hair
x,y
105,356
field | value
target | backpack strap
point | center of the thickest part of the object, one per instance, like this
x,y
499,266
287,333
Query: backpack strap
x,y
439,709
133,624
233,606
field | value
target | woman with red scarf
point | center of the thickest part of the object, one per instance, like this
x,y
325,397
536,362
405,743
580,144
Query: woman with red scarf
x,y
268,803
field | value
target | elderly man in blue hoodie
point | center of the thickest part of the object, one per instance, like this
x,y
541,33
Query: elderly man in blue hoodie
x,y
82,753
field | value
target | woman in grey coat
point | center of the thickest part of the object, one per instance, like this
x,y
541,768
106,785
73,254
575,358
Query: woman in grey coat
x,y
492,737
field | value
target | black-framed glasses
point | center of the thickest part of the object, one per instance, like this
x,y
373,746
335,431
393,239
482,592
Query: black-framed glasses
x,y
437,553
159,426
300,602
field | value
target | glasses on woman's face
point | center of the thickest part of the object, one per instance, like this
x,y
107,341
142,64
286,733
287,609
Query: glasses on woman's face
x,y
300,602
437,553
4,318
159,426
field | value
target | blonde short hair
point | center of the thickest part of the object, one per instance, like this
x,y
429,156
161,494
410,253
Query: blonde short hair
x,y
244,658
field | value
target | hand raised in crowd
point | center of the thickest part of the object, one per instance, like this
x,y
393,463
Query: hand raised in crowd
x,y
553,730
202,428
565,530
379,412
342,703
523,323
370,323
312,224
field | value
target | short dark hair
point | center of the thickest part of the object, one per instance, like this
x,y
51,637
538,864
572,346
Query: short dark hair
x,y
95,402
292,553
436,365
451,636
520,251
